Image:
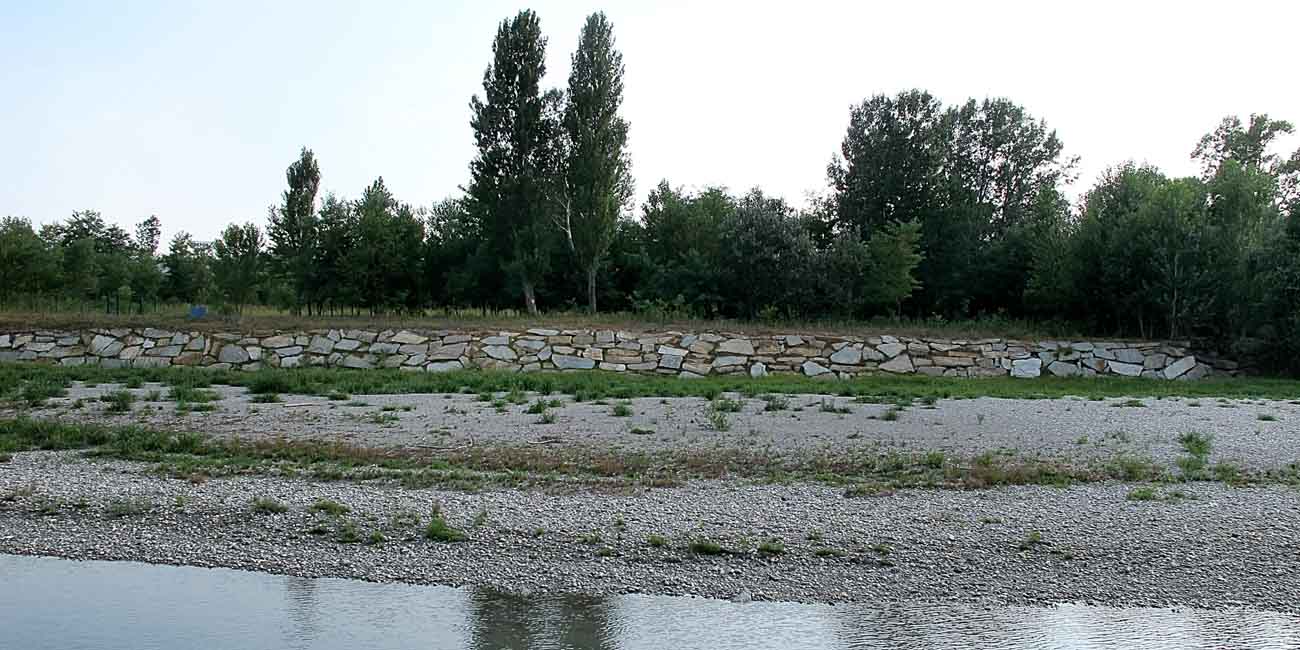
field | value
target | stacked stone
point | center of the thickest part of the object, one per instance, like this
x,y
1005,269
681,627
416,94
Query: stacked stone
x,y
666,353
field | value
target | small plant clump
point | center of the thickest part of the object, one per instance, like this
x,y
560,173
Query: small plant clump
x,y
330,507
1031,540
705,546
656,541
727,405
829,406
622,410
119,401
439,530
718,420
269,505
772,546
118,508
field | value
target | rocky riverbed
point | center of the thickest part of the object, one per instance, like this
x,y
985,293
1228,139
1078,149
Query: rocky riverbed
x,y
1252,435
1196,544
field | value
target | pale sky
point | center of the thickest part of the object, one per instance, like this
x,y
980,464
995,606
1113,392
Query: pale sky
x,y
192,110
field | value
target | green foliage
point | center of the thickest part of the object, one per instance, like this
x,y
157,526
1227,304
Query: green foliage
x,y
237,263
515,130
293,229
596,166
439,530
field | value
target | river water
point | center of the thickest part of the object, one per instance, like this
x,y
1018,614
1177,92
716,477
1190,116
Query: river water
x,y
54,604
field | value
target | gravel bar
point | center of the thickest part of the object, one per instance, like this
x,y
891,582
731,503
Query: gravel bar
x,y
1251,434
1212,547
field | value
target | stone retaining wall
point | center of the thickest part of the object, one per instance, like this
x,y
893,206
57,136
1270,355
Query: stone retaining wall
x,y
666,353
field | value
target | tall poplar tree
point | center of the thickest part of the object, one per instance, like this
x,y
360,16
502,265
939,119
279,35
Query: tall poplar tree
x,y
514,165
293,227
597,171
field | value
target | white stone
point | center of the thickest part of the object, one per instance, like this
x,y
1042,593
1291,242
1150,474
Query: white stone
x,y
899,364
566,362
758,370
320,345
496,340
850,355
723,362
1063,369
892,349
445,352
347,345
814,369
443,366
500,352
405,337
1026,368
736,346
1177,368
1125,369
665,349
98,344
358,362
672,361
233,354
1128,355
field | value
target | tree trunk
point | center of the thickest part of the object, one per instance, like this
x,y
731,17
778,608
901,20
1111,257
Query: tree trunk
x,y
591,288
530,299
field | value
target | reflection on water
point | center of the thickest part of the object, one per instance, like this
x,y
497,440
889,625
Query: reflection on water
x,y
53,604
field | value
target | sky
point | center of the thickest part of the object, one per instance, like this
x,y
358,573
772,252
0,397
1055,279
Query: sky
x,y
192,110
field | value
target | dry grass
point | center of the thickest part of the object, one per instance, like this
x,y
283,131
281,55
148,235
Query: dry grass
x,y
257,320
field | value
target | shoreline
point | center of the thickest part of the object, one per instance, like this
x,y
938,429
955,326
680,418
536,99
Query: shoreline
x,y
1213,547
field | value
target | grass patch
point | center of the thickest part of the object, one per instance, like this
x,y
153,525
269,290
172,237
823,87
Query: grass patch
x,y
772,546
266,398
1130,403
827,551
191,395
118,508
119,401
718,420
540,406
727,405
330,507
829,406
776,403
705,546
1266,417
269,505
1033,539
1196,443
622,410
439,530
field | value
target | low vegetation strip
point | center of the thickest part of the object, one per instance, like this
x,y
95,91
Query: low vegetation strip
x,y
861,472
31,384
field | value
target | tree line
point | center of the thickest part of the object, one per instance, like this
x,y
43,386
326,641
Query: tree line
x,y
931,211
